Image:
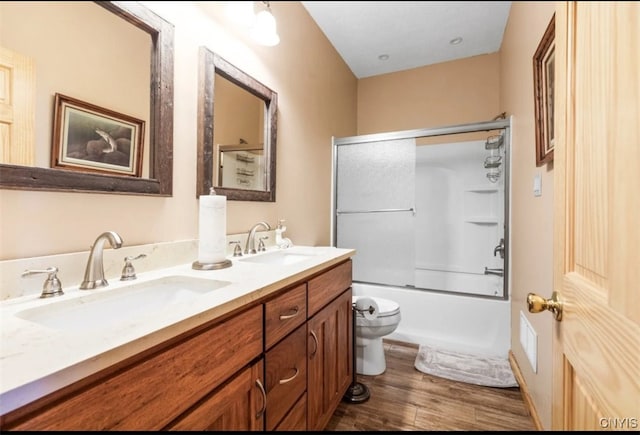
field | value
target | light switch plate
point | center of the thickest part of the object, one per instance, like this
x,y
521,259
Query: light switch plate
x,y
537,185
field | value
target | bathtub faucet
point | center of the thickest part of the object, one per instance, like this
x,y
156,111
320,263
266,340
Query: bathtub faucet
x,y
499,272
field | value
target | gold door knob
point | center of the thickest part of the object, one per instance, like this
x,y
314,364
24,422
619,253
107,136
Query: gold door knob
x,y
537,304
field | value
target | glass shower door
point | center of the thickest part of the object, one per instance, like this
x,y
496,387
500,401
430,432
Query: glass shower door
x,y
375,209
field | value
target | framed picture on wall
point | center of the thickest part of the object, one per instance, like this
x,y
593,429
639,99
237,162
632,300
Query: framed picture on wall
x,y
90,138
543,91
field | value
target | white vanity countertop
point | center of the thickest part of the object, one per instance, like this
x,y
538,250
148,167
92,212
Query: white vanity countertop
x,y
36,360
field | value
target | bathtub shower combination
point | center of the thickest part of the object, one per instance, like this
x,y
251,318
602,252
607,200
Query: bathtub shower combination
x,y
427,213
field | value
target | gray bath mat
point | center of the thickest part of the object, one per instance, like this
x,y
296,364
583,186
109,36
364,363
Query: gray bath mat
x,y
472,369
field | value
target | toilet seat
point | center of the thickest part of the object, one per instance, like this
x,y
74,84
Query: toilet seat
x,y
386,307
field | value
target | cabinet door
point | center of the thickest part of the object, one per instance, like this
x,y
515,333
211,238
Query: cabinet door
x,y
238,405
329,360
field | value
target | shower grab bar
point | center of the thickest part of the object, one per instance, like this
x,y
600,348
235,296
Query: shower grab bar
x,y
383,210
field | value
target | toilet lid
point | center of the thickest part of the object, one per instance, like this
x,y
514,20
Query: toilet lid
x,y
386,307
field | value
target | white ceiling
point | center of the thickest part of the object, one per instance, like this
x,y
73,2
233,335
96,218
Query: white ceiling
x,y
411,33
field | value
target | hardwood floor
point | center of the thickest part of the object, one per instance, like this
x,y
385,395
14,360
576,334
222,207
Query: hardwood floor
x,y
403,398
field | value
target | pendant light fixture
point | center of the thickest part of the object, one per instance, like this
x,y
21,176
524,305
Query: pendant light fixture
x,y
264,30
262,26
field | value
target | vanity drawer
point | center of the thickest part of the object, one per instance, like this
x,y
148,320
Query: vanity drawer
x,y
326,287
159,388
296,419
286,375
285,313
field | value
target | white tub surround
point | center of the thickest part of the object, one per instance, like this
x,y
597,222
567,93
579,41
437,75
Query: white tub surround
x,y
36,360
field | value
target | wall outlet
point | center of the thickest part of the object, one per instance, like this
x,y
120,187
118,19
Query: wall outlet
x,y
529,341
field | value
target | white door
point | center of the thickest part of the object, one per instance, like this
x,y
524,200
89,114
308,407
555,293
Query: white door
x,y
17,108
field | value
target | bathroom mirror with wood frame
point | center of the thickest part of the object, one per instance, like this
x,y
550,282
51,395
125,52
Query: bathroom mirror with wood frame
x,y
160,124
254,179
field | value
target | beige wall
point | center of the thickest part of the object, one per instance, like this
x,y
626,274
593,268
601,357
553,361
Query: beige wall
x,y
531,217
317,99
457,92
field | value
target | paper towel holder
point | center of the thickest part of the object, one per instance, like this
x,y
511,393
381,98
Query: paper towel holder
x,y
215,265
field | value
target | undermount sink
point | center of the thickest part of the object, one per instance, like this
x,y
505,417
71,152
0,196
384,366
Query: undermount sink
x,y
284,257
121,305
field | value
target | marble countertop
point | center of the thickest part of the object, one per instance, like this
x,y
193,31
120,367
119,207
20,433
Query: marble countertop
x,y
36,360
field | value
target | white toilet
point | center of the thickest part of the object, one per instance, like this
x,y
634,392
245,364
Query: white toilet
x,y
369,333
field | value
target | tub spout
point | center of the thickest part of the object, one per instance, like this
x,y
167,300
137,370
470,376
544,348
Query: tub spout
x,y
499,272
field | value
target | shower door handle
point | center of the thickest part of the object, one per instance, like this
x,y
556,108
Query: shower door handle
x,y
499,248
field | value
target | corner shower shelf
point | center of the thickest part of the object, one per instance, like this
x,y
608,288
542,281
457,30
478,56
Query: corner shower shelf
x,y
482,220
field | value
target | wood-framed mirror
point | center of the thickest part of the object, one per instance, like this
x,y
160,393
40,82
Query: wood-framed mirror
x,y
159,178
236,135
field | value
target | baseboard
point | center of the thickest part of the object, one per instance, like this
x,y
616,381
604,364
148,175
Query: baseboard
x,y
525,391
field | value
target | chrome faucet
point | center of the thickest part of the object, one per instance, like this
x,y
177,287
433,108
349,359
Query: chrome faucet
x,y
250,247
94,272
498,272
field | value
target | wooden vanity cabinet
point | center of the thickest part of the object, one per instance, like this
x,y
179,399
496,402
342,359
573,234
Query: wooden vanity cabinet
x,y
149,394
309,371
281,364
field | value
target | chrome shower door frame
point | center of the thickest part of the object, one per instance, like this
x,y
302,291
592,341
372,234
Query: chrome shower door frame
x,y
501,124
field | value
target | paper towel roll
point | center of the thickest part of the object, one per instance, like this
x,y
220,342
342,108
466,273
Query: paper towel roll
x,y
368,307
212,222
